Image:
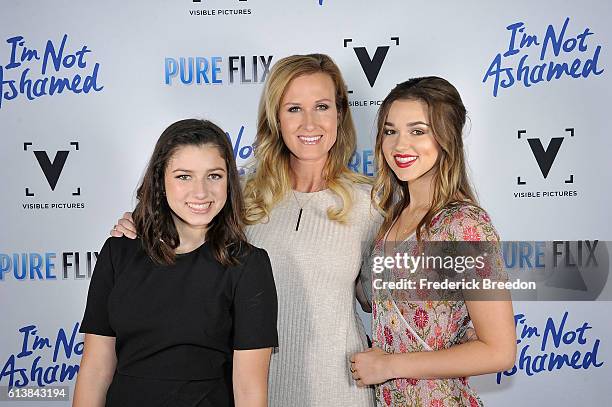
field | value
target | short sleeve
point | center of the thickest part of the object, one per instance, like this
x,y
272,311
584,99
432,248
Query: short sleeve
x,y
95,320
255,304
469,223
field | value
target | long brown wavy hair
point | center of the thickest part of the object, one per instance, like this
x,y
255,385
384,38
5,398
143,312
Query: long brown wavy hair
x,y
447,116
272,178
153,215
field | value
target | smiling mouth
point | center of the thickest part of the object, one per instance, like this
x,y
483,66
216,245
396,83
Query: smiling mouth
x,y
310,140
404,160
199,207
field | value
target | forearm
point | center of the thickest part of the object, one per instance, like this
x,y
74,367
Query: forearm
x,y
250,377
256,397
468,359
91,387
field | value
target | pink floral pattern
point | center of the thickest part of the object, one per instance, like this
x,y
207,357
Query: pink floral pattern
x,y
439,324
471,234
421,317
388,336
387,396
436,403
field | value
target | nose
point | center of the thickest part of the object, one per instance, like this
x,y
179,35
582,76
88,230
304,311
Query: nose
x,y
308,120
403,142
200,189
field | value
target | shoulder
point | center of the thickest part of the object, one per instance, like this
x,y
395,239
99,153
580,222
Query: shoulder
x,y
118,252
254,270
251,257
462,221
363,212
361,194
362,186
119,247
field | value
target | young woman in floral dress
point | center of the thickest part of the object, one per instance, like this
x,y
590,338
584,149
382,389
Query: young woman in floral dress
x,y
418,358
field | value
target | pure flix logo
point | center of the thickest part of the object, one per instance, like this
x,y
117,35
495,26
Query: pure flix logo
x,y
217,8
52,165
35,266
57,68
371,63
562,51
545,156
362,162
563,270
215,70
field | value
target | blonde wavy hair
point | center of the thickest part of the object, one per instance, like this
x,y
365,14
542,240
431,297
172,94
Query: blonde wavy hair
x,y
447,116
271,181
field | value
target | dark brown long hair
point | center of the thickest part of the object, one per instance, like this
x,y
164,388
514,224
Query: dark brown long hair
x,y
153,216
447,116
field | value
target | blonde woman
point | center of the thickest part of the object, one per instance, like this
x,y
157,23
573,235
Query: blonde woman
x,y
315,219
422,186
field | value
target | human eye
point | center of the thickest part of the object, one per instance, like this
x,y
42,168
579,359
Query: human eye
x,y
215,176
322,106
388,132
183,177
294,109
417,132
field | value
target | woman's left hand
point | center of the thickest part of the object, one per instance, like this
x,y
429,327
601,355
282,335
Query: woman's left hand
x,y
370,367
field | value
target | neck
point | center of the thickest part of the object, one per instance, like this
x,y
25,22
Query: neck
x,y
421,192
190,238
307,176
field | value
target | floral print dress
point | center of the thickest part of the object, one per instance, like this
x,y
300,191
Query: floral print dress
x,y
405,323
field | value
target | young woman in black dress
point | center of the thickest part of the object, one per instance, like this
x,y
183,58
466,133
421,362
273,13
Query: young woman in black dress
x,y
188,310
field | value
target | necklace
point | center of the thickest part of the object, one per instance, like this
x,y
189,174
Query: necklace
x,y
301,206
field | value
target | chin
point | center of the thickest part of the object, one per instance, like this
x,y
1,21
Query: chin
x,y
199,222
410,174
311,155
198,225
403,175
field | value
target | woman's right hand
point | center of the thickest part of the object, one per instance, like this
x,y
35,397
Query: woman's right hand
x,y
125,227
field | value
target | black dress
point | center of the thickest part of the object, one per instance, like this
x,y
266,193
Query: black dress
x,y
176,326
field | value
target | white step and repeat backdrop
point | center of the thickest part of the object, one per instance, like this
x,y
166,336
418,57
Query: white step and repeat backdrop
x,y
87,87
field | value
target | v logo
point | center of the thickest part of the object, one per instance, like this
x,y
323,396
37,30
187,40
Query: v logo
x,y
52,170
545,158
371,66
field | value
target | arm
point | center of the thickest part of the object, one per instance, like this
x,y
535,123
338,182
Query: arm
x,y
255,311
95,372
494,350
250,377
124,227
363,286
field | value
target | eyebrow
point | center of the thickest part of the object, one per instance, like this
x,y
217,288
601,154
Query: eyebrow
x,y
210,170
409,124
316,101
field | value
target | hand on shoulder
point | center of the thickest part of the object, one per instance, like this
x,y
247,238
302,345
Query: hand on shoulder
x,y
125,227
